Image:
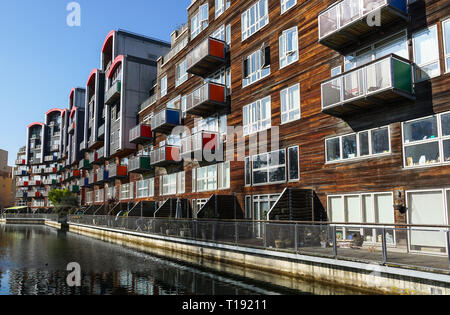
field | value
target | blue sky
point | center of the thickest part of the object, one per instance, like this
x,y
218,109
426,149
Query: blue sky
x,y
42,58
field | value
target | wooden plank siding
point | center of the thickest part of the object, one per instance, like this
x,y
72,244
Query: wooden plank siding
x,y
378,174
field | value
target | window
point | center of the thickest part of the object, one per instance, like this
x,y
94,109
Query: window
x,y
180,73
336,71
248,207
288,47
221,6
426,53
428,207
256,66
206,178
168,184
199,21
374,208
293,171
287,4
142,188
257,116
269,168
363,144
219,33
164,86
290,104
396,44
223,170
228,34
446,35
254,18
248,175
427,141
262,205
126,191
181,181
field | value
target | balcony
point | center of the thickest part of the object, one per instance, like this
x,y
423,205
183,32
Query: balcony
x,y
102,176
49,158
20,173
166,120
207,100
346,23
50,170
206,58
82,145
21,162
71,128
383,81
97,157
92,178
139,164
148,102
74,188
73,174
113,93
49,182
141,134
22,194
117,171
84,182
84,164
101,132
22,184
201,145
54,148
34,183
165,155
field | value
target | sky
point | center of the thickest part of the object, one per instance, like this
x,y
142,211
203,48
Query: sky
x,y
42,57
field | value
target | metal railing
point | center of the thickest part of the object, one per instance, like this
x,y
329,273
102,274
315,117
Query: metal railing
x,y
400,245
148,102
49,217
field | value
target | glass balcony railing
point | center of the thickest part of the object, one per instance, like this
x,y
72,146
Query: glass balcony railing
x,y
199,144
113,93
139,164
166,120
140,134
347,22
388,79
210,98
208,57
165,155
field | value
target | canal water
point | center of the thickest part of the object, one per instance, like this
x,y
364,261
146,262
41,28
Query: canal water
x,y
34,259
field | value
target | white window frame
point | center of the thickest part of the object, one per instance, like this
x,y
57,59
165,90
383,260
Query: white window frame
x,y
446,39
164,86
181,75
284,7
259,21
284,53
223,175
126,191
268,168
221,6
437,61
142,189
200,20
440,140
296,107
206,179
252,116
255,70
349,229
358,148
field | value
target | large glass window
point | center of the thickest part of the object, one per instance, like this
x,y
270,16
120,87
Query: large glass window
x,y
446,35
180,73
427,141
221,6
257,116
255,67
290,104
163,86
269,167
287,4
363,208
199,21
288,42
254,18
294,171
426,53
357,145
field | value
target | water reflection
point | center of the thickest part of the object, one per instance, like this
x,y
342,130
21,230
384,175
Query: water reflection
x,y
33,260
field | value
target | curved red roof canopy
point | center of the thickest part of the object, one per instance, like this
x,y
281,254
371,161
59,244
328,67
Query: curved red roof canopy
x,y
72,92
118,61
74,109
91,76
35,124
55,110
108,40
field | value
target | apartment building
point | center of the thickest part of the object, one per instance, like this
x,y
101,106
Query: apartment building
x,y
333,110
6,197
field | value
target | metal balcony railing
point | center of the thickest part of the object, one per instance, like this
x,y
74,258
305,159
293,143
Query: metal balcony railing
x,y
113,93
149,102
139,164
166,120
208,99
141,133
207,57
164,155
